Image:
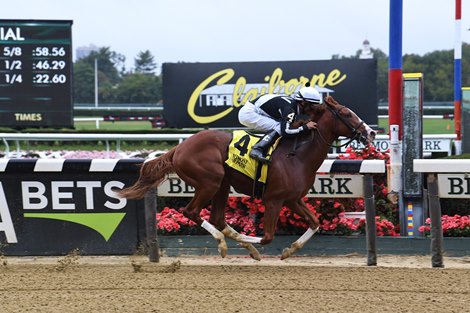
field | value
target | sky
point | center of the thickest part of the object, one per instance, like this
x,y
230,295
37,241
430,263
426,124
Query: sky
x,y
246,30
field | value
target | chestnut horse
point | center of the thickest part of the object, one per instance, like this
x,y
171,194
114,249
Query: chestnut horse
x,y
200,162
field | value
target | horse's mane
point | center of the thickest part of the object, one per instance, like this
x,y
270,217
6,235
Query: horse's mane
x,y
300,121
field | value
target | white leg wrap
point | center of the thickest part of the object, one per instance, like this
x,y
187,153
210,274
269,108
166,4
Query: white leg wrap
x,y
211,229
240,237
306,236
249,239
299,243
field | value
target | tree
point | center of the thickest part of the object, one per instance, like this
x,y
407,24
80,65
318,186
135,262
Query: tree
x,y
145,63
108,63
83,77
108,76
382,73
139,88
437,68
438,71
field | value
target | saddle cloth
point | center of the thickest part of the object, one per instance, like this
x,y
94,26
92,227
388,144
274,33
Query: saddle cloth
x,y
239,158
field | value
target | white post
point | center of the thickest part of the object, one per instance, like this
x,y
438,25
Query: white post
x,y
96,83
458,147
394,173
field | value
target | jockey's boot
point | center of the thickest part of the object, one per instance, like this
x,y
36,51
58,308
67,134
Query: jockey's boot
x,y
263,146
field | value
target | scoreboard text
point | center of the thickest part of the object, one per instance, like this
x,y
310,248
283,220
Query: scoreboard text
x,y
36,73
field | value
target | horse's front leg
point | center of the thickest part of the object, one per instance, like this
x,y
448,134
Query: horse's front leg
x,y
301,209
271,216
219,236
298,244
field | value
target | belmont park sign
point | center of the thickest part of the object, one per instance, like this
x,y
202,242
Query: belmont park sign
x,y
210,94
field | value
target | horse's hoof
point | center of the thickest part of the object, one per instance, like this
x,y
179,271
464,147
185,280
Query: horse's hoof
x,y
285,253
223,253
255,256
254,253
223,249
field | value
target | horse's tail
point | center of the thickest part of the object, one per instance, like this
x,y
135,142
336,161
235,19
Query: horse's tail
x,y
152,173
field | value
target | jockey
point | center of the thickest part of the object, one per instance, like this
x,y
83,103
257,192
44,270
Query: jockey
x,y
273,114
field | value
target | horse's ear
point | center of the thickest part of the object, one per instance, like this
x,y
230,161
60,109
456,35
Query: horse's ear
x,y
330,101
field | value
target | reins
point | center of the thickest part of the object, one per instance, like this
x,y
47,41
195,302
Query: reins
x,y
297,145
354,131
336,146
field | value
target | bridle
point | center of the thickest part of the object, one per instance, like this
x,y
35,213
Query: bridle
x,y
355,133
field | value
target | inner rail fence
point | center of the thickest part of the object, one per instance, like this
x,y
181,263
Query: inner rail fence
x,y
436,143
99,120
335,179
445,179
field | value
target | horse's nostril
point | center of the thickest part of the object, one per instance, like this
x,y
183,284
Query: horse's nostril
x,y
372,134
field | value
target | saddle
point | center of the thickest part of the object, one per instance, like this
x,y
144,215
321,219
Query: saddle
x,y
239,160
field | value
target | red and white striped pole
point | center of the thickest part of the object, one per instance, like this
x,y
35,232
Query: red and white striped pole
x,y
458,77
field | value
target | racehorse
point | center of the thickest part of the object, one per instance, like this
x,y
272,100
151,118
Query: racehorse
x,y
199,161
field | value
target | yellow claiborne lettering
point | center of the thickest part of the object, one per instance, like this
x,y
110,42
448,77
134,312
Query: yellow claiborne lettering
x,y
239,91
225,76
240,95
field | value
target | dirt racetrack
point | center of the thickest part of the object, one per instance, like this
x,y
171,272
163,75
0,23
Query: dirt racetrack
x,y
235,284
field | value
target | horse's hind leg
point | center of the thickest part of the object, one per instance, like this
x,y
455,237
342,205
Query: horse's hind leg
x,y
232,233
193,210
301,209
217,218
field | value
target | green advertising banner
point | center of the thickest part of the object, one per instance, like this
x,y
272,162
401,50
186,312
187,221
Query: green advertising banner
x,y
50,207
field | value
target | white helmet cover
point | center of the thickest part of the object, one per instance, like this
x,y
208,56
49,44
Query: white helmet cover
x,y
308,94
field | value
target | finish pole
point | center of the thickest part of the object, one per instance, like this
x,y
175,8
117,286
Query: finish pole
x,y
395,78
395,99
458,77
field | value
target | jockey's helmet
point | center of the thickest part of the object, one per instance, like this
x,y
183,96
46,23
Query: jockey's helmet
x,y
308,94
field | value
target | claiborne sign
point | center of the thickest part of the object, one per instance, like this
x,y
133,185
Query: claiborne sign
x,y
210,94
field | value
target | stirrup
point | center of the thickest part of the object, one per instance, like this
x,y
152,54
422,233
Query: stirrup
x,y
258,156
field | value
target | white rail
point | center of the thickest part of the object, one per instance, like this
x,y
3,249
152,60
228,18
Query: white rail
x,y
97,120
432,117
17,137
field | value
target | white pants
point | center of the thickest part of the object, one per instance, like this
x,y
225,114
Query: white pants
x,y
255,118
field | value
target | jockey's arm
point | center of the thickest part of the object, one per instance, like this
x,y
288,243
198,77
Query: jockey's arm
x,y
288,131
288,119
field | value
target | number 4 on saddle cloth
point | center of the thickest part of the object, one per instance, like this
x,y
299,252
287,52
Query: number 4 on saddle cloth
x,y
239,159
